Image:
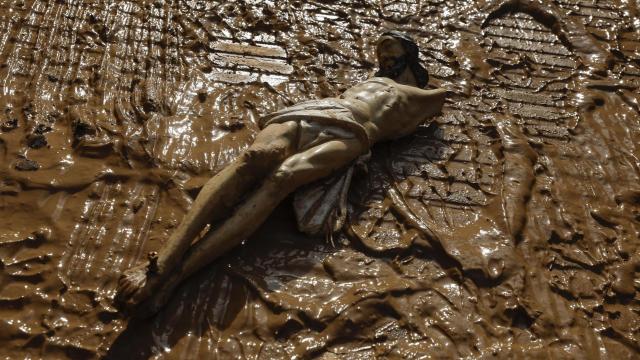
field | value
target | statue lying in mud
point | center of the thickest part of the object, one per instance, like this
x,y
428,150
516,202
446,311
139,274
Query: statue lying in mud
x,y
297,146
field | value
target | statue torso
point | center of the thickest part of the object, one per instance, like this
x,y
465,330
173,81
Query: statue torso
x,y
374,110
384,108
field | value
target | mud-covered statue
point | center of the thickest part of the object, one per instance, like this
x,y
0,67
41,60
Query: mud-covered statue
x,y
296,146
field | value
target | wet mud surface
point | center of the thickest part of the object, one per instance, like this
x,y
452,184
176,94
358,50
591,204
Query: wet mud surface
x,y
508,228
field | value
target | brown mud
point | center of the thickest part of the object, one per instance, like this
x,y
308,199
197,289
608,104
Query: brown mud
x,y
508,228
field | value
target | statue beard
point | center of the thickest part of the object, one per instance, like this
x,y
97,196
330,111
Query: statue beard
x,y
396,70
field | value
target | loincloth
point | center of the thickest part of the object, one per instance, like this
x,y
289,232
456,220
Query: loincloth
x,y
320,121
312,133
321,206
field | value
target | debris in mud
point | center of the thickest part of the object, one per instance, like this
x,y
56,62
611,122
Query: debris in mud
x,y
202,95
36,141
9,124
82,128
26,165
234,124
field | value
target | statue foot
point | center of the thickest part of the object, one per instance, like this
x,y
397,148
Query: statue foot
x,y
160,298
138,283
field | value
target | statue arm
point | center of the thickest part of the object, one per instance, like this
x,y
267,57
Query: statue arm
x,y
426,103
431,96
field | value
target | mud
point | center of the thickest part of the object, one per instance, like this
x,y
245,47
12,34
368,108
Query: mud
x,y
506,229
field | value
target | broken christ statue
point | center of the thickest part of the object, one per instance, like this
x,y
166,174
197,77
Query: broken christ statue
x,y
297,145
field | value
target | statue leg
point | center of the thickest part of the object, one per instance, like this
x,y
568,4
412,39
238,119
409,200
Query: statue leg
x,y
300,169
215,201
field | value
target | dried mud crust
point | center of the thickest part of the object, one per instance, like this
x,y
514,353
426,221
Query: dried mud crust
x,y
508,228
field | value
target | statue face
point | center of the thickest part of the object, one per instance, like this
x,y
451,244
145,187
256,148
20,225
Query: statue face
x,y
390,51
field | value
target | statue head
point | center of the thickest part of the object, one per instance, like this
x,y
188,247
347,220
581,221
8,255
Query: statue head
x,y
396,53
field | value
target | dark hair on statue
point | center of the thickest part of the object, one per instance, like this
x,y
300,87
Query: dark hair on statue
x,y
412,58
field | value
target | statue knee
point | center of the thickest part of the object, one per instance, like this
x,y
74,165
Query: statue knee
x,y
283,176
289,172
295,171
261,154
254,154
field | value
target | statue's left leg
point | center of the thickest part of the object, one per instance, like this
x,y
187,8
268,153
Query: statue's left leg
x,y
312,164
216,200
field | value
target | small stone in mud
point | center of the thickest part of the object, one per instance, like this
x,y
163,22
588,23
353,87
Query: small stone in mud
x,y
28,111
36,141
137,205
233,125
26,165
103,34
42,128
202,96
150,105
82,128
53,116
9,124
